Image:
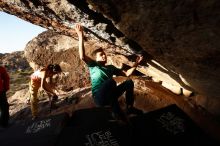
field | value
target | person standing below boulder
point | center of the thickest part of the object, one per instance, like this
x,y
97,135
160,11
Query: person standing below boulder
x,y
39,81
105,90
4,106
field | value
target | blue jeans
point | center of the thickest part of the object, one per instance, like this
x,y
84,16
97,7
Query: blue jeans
x,y
109,93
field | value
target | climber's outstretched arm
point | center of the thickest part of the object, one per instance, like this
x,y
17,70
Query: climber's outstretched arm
x,y
79,31
132,69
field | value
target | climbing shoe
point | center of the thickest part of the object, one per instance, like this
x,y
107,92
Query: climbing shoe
x,y
120,117
133,110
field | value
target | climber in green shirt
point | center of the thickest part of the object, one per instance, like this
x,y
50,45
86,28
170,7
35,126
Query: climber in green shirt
x,y
105,90
100,74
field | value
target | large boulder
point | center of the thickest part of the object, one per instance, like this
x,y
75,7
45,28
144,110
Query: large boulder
x,y
50,48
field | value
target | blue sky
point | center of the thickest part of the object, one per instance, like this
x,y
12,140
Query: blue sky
x,y
15,33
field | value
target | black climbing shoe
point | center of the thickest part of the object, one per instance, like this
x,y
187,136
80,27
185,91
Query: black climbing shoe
x,y
133,110
120,117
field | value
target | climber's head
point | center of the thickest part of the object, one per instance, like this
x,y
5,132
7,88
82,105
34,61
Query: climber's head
x,y
100,55
53,69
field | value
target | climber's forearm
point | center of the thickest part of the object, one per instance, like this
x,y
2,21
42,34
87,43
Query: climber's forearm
x,y
81,48
131,70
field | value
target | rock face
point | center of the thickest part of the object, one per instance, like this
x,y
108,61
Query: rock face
x,y
181,38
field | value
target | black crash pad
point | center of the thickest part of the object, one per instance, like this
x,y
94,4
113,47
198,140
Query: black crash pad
x,y
168,126
41,132
95,127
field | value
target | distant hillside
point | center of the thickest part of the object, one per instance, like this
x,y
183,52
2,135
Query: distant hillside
x,y
14,61
18,68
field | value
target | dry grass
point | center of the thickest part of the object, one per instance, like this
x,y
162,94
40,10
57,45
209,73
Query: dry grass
x,y
18,81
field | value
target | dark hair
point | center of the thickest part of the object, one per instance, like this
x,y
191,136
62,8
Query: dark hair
x,y
97,50
55,68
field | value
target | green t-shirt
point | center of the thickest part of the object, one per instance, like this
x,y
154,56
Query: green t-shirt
x,y
99,74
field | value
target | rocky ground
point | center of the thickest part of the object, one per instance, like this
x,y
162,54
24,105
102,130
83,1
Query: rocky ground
x,y
149,96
